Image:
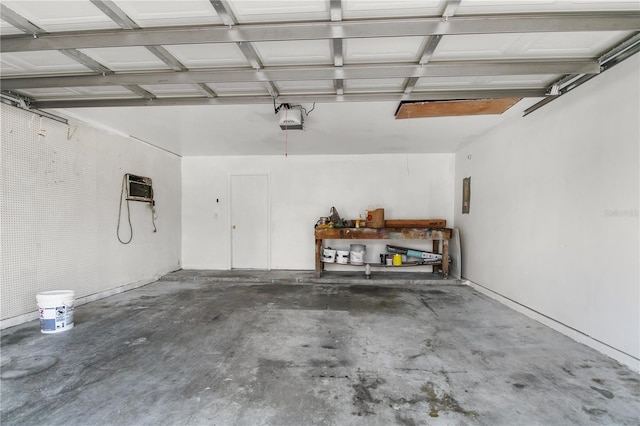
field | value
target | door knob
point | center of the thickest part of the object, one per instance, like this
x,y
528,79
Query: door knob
x,y
233,227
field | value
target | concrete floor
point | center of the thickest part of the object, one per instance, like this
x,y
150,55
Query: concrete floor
x,y
282,348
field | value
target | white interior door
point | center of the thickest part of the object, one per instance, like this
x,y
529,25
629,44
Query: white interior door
x,y
250,222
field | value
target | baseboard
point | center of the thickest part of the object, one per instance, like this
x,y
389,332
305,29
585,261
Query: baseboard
x,y
623,358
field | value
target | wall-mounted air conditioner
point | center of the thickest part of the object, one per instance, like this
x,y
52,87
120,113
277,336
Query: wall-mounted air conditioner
x,y
139,188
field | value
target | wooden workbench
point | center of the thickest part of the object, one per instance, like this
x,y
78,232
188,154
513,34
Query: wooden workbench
x,y
437,235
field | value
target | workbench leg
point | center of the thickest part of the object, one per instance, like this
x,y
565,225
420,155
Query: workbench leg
x,y
319,264
436,249
445,258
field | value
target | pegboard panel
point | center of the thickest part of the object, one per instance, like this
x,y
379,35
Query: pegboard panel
x,y
59,210
48,209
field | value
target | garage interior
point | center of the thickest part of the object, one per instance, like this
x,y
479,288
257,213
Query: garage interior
x,y
200,300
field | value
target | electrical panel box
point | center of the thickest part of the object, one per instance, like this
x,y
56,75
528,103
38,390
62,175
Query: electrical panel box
x,y
139,188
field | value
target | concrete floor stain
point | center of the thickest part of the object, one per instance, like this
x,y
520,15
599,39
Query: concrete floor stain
x,y
607,394
19,367
18,336
406,421
362,398
594,411
444,403
426,305
386,304
373,290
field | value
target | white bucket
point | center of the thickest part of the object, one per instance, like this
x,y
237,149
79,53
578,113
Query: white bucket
x,y
328,255
358,247
343,256
357,253
56,310
357,257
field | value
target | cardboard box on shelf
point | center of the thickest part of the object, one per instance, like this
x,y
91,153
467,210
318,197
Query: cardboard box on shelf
x,y
375,218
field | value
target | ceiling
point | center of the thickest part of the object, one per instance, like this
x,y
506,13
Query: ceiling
x,y
200,77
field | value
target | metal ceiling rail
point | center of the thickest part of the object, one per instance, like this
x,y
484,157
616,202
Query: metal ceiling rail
x,y
335,7
27,26
337,44
87,61
118,16
431,44
223,9
19,102
19,21
401,27
300,73
436,95
613,57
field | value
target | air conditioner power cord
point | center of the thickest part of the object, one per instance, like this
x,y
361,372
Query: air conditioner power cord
x,y
128,214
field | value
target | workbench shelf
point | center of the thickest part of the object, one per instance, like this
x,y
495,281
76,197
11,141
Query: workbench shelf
x,y
434,234
379,265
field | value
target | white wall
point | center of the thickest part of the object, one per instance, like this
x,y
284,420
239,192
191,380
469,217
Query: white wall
x,y
60,190
303,188
554,210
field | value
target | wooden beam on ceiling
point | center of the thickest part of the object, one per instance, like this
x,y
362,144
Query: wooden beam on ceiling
x,y
455,108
